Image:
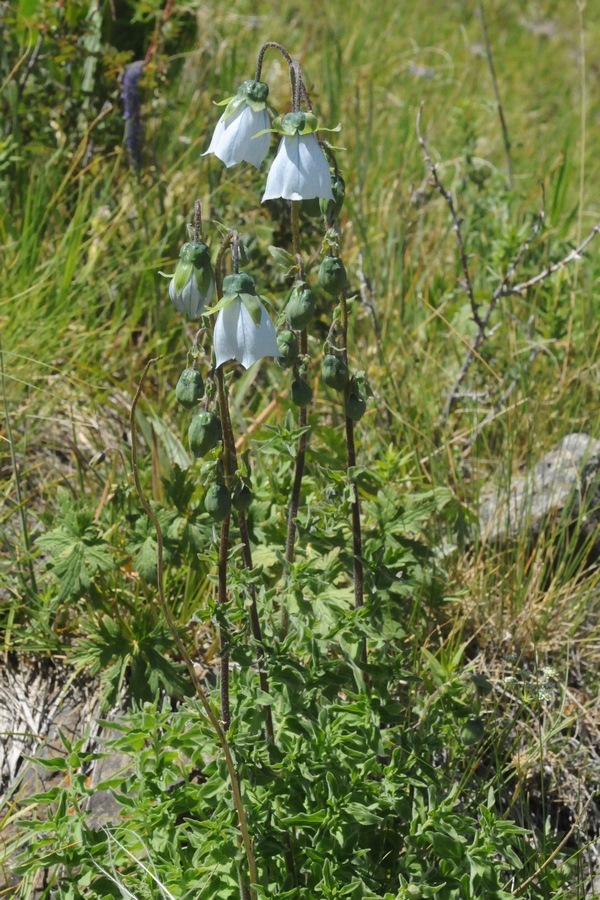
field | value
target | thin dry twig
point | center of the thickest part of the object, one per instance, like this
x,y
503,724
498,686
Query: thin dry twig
x,y
468,284
505,287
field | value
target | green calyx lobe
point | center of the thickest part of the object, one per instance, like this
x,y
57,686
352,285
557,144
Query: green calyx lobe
x,y
296,123
332,275
204,433
197,254
335,372
240,283
217,502
256,91
194,258
300,307
190,388
287,344
241,287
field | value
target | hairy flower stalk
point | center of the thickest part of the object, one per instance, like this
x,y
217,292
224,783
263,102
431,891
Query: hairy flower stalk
x,y
219,731
290,543
230,462
332,276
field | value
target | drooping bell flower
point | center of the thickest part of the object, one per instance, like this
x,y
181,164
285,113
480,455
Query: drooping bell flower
x,y
300,170
243,330
245,116
193,284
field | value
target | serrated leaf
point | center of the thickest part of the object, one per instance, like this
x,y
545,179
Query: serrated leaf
x,y
146,560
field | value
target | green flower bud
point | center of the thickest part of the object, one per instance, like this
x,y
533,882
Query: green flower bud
x,y
335,372
332,208
217,502
193,285
356,406
242,497
302,392
300,307
332,275
204,433
287,343
190,388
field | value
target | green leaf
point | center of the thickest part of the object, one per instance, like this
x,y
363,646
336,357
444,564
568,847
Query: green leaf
x,y
146,560
472,731
78,553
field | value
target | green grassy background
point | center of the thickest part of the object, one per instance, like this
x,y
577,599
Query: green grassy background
x,y
83,236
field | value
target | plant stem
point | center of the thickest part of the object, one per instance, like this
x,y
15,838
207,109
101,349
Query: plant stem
x,y
222,600
261,56
230,466
233,777
302,419
197,221
255,623
357,566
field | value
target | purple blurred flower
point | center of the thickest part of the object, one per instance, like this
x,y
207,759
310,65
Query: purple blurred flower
x,y
134,133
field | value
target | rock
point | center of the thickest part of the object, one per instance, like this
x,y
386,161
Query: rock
x,y
562,486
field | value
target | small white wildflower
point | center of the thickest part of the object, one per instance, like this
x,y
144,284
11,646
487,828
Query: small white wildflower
x,y
243,330
245,116
300,170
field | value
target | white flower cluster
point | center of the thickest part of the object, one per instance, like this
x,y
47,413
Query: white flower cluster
x,y
300,170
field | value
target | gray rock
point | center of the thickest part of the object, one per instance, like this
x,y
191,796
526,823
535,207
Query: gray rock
x,y
562,488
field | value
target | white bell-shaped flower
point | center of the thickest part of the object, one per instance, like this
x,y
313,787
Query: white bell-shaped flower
x,y
246,115
243,330
193,285
300,170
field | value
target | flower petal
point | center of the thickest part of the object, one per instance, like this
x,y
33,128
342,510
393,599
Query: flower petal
x,y
232,139
300,170
237,337
175,297
258,340
225,334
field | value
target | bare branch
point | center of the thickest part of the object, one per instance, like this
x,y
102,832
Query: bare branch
x,y
468,284
556,267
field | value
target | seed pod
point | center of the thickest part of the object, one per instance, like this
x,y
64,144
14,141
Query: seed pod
x,y
242,497
300,308
190,388
302,392
332,208
204,433
332,275
335,372
356,406
287,342
217,502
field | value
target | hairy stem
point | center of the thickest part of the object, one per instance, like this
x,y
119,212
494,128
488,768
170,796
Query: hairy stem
x,y
261,56
290,543
359,599
230,466
233,777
